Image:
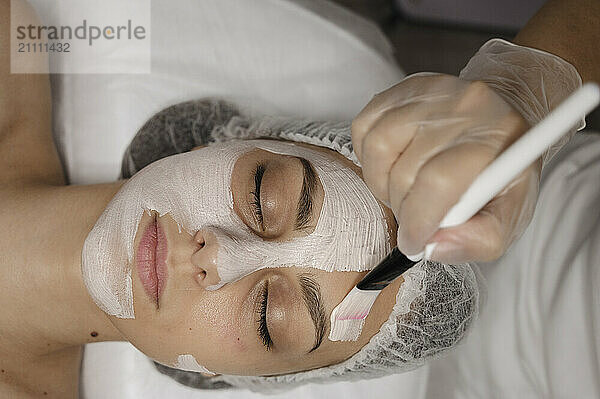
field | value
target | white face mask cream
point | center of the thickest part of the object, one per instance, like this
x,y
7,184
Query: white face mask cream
x,y
189,363
194,188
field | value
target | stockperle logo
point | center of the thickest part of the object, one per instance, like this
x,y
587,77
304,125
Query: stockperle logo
x,y
84,31
80,36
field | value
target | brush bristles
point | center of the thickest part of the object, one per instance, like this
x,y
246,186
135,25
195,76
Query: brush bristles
x,y
348,318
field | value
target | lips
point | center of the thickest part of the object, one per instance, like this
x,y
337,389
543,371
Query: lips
x,y
151,260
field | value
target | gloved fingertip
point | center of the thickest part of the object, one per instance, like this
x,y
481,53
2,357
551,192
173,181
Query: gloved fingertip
x,y
429,248
445,252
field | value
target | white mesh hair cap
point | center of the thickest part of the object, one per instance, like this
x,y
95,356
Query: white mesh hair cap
x,y
435,306
183,126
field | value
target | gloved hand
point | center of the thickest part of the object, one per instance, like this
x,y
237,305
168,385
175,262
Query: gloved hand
x,y
422,142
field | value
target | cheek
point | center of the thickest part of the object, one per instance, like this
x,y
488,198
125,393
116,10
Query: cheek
x,y
211,326
219,319
222,322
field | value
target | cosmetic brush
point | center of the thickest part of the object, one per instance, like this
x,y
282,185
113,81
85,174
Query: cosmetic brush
x,y
348,318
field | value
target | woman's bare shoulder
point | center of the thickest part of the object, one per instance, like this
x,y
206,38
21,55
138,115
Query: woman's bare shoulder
x,y
27,150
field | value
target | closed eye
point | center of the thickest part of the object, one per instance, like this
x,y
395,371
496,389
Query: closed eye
x,y
262,329
259,172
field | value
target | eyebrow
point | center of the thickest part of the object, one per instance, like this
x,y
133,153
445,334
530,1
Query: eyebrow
x,y
311,293
305,202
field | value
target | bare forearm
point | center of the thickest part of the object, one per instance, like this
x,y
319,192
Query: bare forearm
x,y
569,29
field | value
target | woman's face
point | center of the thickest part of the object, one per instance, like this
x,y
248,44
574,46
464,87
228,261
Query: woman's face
x,y
272,321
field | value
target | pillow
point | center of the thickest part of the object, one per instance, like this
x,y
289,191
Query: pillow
x,y
302,58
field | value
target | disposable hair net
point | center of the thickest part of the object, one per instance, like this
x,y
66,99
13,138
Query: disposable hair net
x,y
435,306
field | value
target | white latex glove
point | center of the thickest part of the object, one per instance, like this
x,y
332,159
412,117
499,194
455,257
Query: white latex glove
x,y
422,142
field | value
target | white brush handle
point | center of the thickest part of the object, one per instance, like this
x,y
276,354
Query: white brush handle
x,y
520,155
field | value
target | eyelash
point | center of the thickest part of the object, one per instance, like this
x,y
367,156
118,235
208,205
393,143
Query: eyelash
x,y
259,171
263,331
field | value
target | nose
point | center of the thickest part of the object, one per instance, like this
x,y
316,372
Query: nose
x,y
205,259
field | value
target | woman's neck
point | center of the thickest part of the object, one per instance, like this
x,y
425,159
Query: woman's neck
x,y
46,305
